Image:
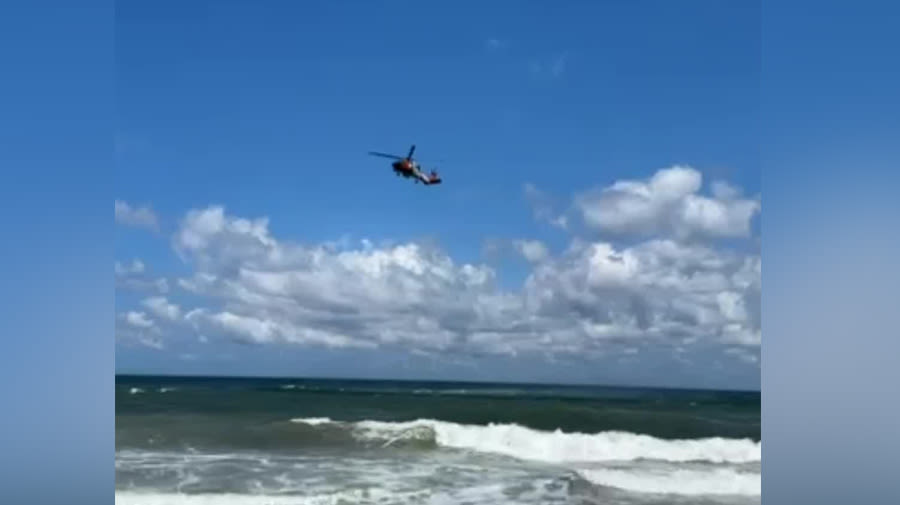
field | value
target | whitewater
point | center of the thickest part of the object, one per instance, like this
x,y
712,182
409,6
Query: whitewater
x,y
580,450
542,466
267,444
555,447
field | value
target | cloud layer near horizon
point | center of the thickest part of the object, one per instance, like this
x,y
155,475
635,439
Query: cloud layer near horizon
x,y
672,288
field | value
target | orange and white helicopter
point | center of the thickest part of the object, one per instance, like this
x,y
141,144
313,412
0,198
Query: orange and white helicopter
x,y
406,167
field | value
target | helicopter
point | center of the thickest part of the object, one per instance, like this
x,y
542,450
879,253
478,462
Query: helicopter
x,y
406,167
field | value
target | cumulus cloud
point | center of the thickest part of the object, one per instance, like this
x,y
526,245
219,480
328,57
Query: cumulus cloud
x,y
135,267
138,217
748,356
161,308
669,204
660,291
134,277
532,250
656,290
281,292
138,320
592,298
136,327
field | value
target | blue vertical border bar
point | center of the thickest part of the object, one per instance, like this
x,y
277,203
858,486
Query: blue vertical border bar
x,y
57,418
831,239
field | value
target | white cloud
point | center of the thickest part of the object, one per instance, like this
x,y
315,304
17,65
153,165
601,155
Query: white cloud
x,y
136,327
592,298
597,297
135,267
748,356
133,277
142,217
161,308
273,291
668,204
721,190
533,250
138,320
659,290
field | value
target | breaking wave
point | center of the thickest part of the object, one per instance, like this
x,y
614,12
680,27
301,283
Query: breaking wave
x,y
719,481
551,447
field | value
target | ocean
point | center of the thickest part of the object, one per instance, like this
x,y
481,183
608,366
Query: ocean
x,y
341,442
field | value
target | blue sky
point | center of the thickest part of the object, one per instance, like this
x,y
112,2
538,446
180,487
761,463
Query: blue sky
x,y
530,111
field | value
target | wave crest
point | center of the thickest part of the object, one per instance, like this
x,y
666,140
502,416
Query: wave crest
x,y
552,447
720,481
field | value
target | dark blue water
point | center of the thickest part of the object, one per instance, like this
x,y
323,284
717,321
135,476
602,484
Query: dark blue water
x,y
188,439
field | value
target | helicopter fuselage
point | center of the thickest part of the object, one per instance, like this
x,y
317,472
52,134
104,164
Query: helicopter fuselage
x,y
405,168
408,168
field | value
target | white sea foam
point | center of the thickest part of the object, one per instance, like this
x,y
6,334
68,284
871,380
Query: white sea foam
x,y
315,421
717,481
427,479
557,446
338,498
490,494
135,391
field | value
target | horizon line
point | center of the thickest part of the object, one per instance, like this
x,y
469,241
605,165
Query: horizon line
x,y
446,381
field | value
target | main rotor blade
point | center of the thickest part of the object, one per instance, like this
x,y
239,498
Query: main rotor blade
x,y
383,155
411,150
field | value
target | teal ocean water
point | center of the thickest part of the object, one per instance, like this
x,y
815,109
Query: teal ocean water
x,y
336,442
